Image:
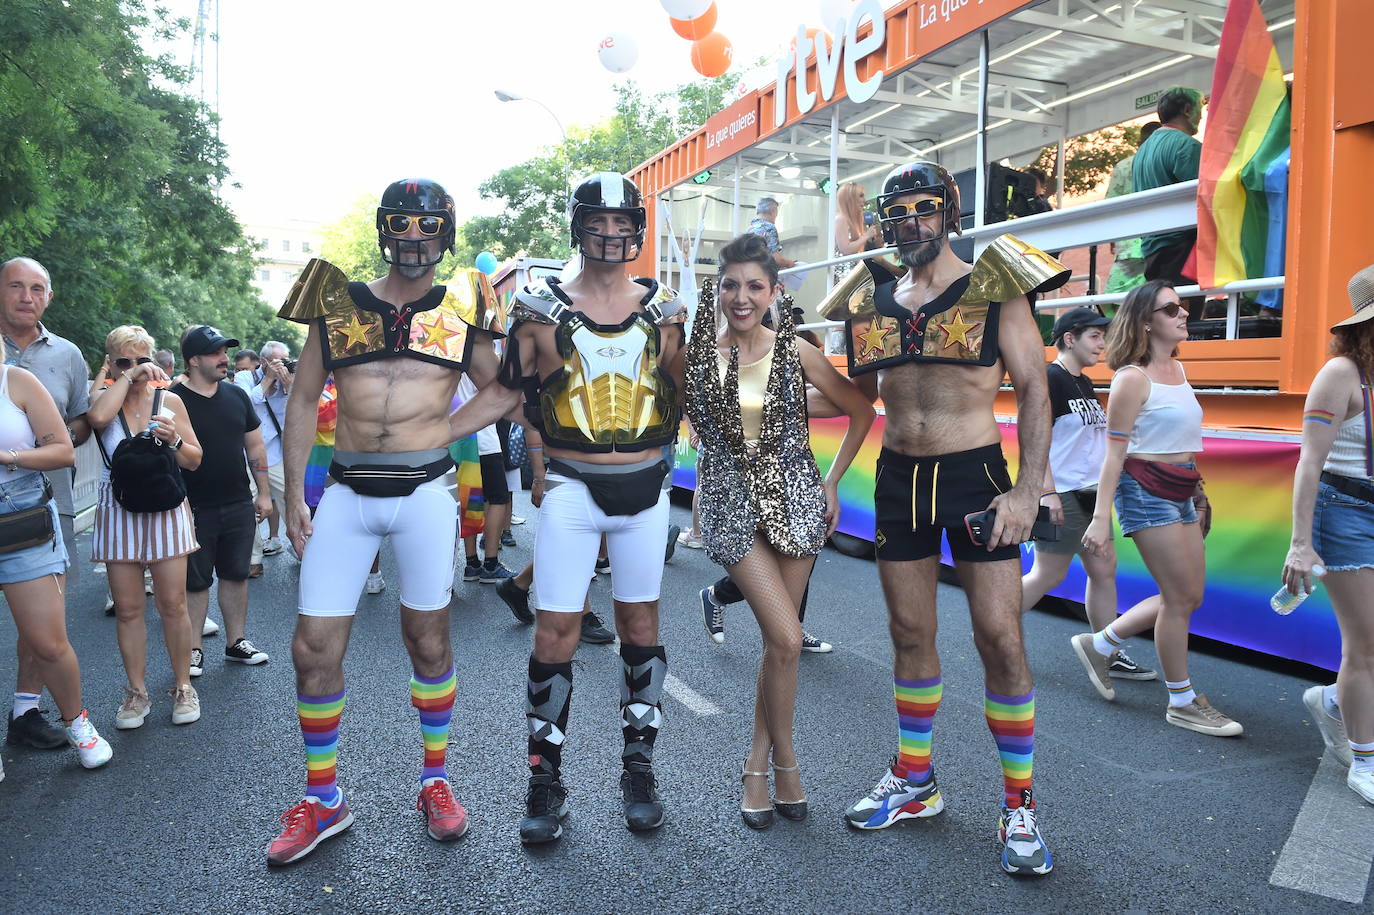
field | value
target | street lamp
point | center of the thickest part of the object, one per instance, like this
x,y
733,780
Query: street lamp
x,y
503,96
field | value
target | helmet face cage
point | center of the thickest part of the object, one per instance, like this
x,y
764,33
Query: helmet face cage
x,y
416,197
607,192
918,177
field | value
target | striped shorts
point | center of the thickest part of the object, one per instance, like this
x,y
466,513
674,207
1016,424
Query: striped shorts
x,y
143,537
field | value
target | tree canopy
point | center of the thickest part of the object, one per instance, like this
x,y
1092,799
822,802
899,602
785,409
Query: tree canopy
x,y
109,176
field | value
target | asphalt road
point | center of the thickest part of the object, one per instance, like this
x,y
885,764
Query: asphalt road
x,y
1140,816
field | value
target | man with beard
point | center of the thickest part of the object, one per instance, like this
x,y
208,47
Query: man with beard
x,y
939,341
397,347
599,362
226,514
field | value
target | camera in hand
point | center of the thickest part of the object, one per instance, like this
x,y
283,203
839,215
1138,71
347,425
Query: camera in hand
x,y
289,365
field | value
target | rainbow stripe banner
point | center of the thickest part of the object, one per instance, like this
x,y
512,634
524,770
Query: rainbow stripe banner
x,y
1247,130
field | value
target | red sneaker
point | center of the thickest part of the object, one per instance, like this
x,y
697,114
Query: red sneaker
x,y
306,825
447,820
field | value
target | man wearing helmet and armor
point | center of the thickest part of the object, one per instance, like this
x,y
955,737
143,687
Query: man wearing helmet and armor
x,y
598,360
397,347
935,342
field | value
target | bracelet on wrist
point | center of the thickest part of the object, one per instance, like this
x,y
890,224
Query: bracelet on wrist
x,y
14,460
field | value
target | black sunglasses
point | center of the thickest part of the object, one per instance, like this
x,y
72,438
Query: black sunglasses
x,y
125,364
1172,309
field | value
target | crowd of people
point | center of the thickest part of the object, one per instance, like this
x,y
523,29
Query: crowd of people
x,y
353,443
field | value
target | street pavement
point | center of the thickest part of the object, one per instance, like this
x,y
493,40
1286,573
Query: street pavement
x,y
1139,815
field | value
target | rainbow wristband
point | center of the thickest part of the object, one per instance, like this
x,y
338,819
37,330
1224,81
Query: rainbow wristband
x,y
1325,417
1118,436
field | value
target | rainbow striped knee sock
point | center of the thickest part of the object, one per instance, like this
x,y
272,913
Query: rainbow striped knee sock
x,y
1012,722
917,702
319,717
433,698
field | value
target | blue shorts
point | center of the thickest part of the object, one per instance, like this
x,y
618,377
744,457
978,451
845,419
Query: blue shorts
x,y
1342,530
1137,509
35,561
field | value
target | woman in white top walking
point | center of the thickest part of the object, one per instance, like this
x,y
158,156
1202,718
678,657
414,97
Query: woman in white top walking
x,y
1154,431
1333,525
127,542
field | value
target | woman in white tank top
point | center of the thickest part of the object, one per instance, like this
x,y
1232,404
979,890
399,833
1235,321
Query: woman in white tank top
x,y
34,438
1333,526
1154,432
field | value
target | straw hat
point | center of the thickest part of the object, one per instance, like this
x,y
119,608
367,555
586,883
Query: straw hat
x,y
1361,291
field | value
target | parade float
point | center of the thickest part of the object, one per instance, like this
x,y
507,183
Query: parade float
x,y
981,84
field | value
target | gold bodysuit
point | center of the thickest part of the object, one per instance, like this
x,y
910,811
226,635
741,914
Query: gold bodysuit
x,y
753,386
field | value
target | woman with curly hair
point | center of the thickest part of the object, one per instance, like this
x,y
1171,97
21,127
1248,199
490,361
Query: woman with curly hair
x,y
765,511
1154,432
1333,526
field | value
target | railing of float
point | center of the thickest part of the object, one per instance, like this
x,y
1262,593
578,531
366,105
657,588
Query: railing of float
x,y
1164,209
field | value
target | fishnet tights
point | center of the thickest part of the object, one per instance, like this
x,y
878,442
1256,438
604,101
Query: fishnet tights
x,y
773,584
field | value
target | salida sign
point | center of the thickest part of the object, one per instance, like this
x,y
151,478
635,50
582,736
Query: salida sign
x,y
847,50
732,130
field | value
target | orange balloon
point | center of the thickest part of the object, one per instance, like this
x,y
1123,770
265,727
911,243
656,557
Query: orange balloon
x,y
712,55
815,35
694,29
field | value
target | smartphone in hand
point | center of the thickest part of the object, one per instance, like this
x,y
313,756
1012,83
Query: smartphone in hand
x,y
979,525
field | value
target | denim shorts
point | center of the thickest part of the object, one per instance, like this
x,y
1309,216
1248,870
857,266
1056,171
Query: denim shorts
x,y
35,561
1342,530
1137,509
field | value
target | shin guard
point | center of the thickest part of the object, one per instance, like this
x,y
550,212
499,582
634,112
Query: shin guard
x,y
546,711
641,701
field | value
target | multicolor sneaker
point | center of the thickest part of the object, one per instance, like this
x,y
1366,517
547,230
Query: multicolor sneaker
x,y
306,825
446,819
894,799
133,710
1024,852
94,750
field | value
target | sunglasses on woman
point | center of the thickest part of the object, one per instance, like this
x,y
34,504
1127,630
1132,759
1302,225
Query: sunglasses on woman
x,y
125,364
399,224
1172,309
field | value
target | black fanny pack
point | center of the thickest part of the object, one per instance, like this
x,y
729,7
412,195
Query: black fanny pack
x,y
619,493
385,481
29,526
1356,489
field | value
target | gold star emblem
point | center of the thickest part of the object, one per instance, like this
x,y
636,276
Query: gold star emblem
x,y
436,334
871,340
355,334
957,331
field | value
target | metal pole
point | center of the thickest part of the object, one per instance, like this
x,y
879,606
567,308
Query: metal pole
x,y
980,176
832,204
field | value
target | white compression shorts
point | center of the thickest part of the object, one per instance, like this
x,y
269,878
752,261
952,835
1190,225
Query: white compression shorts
x,y
348,532
568,539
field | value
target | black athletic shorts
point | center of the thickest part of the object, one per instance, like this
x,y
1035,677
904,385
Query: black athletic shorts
x,y
225,534
915,498
494,488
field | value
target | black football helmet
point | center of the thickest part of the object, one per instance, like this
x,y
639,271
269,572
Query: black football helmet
x,y
918,177
415,199
607,192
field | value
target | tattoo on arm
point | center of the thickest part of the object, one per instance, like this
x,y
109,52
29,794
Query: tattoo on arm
x,y
45,440
256,465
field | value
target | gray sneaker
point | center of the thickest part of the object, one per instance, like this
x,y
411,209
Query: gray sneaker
x,y
1199,716
1123,668
1332,729
1095,664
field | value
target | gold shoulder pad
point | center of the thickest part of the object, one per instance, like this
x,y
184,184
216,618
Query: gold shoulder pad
x,y
321,289
471,297
1009,267
852,296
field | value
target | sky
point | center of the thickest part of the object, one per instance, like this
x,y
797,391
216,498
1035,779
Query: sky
x,y
324,102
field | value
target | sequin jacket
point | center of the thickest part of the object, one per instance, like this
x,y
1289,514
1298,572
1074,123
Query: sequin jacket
x,y
775,490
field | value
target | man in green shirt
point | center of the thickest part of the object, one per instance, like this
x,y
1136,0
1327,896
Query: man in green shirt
x,y
1169,156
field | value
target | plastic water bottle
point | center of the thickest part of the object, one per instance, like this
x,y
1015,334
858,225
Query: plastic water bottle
x,y
1285,602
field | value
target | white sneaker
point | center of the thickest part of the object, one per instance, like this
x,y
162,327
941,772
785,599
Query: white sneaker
x,y
210,628
272,546
1332,729
147,582
94,750
1362,783
185,704
376,584
197,662
516,519
133,710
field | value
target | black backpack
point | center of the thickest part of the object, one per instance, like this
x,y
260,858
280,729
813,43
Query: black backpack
x,y
144,475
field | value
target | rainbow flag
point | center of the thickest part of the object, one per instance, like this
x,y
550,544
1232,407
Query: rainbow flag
x,y
471,506
1247,129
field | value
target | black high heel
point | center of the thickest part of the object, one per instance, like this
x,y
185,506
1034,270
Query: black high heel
x,y
756,819
791,810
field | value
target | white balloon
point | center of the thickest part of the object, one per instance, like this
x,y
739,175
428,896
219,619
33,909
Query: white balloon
x,y
618,52
834,10
685,9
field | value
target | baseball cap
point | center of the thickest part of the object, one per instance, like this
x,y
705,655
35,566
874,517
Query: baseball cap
x,y
203,339
1076,319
